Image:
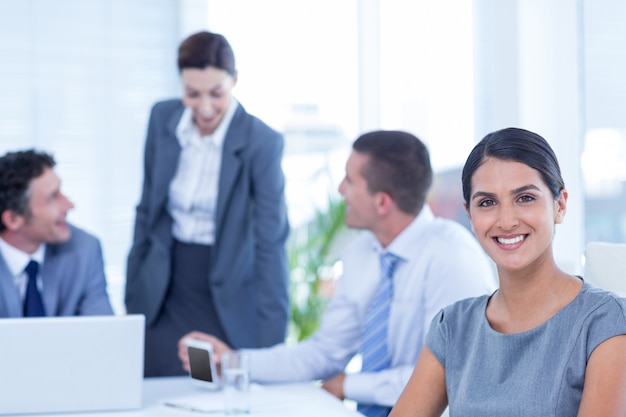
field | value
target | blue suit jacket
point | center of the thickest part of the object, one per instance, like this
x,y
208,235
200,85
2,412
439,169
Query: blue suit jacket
x,y
73,277
248,267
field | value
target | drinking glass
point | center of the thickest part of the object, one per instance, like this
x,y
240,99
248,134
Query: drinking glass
x,y
236,382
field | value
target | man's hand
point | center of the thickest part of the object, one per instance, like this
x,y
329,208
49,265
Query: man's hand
x,y
334,385
219,347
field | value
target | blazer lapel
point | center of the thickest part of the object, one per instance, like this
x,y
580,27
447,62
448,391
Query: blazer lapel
x,y
165,163
51,274
10,301
231,164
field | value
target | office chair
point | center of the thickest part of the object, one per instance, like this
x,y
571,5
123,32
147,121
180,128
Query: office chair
x,y
605,266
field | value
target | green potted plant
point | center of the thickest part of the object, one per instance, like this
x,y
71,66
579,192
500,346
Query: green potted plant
x,y
313,251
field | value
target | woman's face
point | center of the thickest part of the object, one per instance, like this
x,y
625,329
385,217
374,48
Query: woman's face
x,y
513,213
207,93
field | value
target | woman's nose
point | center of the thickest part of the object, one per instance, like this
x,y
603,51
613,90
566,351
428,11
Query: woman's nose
x,y
507,218
206,106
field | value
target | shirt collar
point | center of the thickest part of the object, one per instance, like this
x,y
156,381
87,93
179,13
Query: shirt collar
x,y
186,130
16,259
404,244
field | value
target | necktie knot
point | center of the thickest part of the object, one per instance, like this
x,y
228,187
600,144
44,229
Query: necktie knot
x,y
31,269
388,262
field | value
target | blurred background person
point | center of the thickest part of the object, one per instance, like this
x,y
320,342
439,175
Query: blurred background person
x,y
208,251
48,267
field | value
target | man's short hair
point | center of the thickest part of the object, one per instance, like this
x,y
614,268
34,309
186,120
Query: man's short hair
x,y
17,170
399,165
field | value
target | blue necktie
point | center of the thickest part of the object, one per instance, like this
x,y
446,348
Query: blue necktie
x,y
374,350
33,305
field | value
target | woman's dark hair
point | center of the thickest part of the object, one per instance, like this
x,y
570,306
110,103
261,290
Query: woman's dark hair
x,y
519,145
206,49
399,164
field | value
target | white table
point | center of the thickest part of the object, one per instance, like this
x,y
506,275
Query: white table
x,y
288,400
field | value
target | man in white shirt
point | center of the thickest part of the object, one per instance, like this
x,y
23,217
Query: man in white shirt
x,y
388,175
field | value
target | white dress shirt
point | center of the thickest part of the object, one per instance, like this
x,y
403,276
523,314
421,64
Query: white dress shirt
x,y
194,189
17,260
441,263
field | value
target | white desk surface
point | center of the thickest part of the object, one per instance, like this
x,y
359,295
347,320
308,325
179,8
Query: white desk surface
x,y
288,400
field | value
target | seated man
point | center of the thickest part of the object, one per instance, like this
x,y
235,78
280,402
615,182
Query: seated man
x,y
47,267
396,278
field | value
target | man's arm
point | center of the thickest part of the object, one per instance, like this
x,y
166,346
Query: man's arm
x,y
95,299
382,388
323,355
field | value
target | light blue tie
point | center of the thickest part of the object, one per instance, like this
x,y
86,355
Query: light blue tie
x,y
374,349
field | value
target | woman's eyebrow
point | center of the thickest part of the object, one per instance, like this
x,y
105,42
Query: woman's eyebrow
x,y
513,192
525,188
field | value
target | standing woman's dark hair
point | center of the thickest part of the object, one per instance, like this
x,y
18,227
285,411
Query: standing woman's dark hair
x,y
514,144
206,49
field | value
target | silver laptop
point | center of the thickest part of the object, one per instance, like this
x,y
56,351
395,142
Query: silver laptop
x,y
71,364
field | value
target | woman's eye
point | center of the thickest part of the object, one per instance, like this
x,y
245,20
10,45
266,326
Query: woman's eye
x,y
486,203
526,198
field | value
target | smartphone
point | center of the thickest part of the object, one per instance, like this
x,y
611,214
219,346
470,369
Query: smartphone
x,y
201,366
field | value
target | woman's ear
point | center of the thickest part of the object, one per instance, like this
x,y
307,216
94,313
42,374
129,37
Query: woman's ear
x,y
560,207
235,78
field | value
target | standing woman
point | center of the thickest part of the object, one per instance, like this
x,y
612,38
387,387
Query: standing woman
x,y
546,343
209,242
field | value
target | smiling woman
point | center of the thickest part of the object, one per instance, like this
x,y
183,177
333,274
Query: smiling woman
x,y
208,252
514,195
207,94
207,89
515,207
544,333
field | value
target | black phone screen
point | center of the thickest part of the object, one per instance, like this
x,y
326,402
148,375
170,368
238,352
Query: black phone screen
x,y
200,364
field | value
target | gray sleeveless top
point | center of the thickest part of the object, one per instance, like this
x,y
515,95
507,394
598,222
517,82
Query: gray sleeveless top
x,y
539,372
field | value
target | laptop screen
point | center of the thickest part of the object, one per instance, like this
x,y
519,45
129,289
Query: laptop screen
x,y
71,364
